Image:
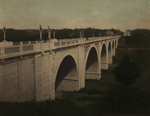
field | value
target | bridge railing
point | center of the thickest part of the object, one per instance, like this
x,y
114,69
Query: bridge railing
x,y
24,43
19,48
66,42
15,49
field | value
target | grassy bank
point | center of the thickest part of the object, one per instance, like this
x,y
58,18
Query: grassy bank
x,y
102,97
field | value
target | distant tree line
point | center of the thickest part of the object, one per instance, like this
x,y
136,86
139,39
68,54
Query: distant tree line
x,y
138,38
138,32
33,34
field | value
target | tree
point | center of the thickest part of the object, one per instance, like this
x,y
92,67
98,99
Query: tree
x,y
126,72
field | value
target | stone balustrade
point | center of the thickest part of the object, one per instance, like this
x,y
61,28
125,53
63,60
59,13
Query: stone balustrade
x,y
9,49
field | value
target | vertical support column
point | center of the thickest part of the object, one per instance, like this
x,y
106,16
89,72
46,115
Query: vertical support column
x,y
110,53
49,33
42,47
4,30
82,33
49,37
52,44
34,78
99,59
104,57
106,54
41,41
19,83
80,40
99,34
81,66
40,29
113,48
1,82
93,35
21,46
116,42
54,34
52,76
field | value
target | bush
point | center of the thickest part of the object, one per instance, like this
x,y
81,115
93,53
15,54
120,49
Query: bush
x,y
126,72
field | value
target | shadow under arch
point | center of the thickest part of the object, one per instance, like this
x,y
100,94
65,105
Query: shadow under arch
x,y
67,77
109,53
104,60
92,70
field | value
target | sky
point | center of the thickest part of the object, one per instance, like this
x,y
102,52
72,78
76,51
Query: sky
x,y
59,14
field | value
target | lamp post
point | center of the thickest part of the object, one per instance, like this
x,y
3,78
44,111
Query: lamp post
x,y
49,33
4,30
93,35
40,29
100,34
82,33
54,34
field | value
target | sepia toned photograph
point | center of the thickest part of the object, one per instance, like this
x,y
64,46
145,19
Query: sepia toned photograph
x,y
74,57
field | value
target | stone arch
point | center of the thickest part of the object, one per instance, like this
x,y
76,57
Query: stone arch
x,y
88,51
104,56
67,75
109,53
92,67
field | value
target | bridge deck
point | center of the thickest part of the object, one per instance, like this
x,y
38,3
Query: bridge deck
x,y
13,49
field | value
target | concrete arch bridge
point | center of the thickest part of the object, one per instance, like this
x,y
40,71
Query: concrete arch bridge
x,y
34,70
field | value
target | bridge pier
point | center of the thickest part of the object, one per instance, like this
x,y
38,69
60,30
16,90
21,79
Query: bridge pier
x,y
104,62
81,66
104,66
109,60
113,51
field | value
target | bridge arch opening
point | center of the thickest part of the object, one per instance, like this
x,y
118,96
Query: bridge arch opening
x,y
109,54
67,77
104,62
92,65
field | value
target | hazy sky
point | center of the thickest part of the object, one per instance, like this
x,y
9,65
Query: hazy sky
x,y
118,14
